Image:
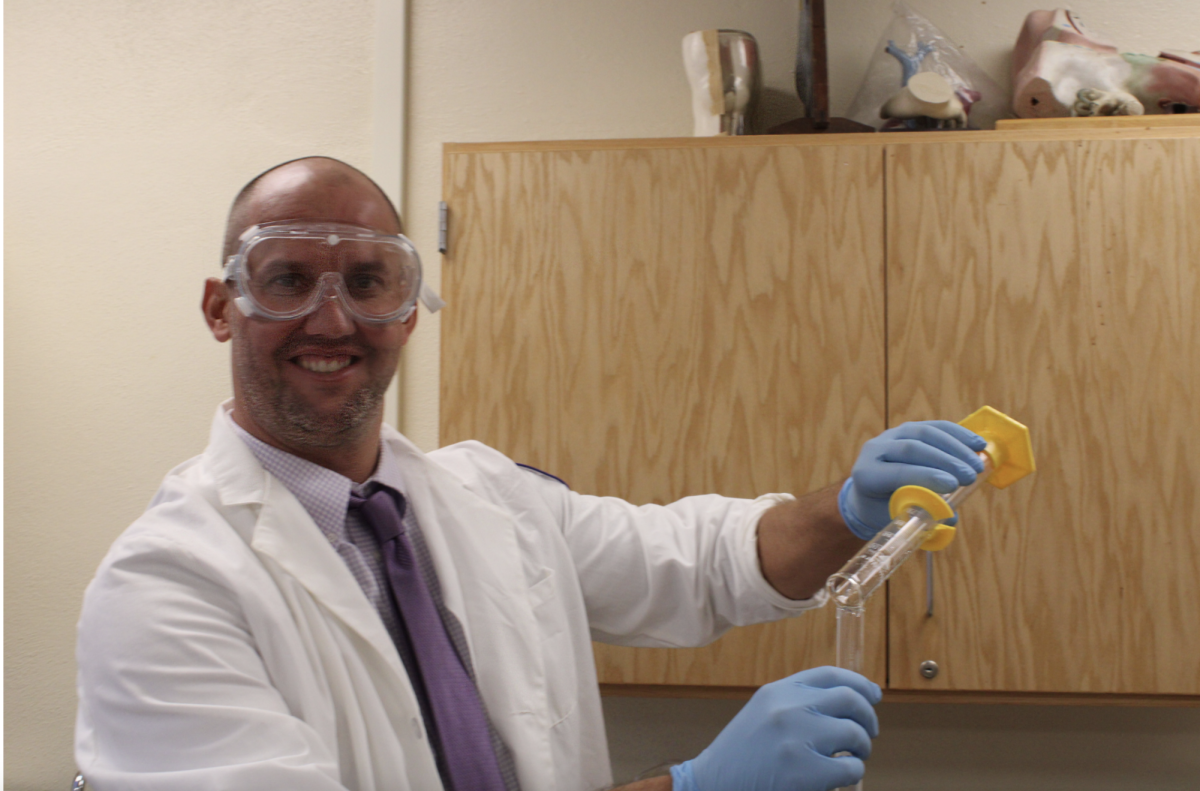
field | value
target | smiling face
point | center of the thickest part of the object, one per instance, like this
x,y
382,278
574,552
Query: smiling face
x,y
315,384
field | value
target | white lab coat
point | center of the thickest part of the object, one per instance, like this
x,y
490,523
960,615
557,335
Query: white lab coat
x,y
225,645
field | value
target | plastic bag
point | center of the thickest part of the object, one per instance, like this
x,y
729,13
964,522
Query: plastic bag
x,y
912,44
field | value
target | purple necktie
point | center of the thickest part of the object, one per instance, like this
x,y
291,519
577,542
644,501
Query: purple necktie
x,y
458,713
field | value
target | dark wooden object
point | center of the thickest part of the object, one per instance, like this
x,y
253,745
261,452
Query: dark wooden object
x,y
812,79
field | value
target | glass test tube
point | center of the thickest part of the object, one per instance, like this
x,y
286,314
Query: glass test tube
x,y
850,638
850,651
865,572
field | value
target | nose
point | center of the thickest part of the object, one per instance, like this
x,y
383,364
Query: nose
x,y
329,318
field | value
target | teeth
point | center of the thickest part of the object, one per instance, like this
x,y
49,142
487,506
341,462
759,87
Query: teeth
x,y
323,365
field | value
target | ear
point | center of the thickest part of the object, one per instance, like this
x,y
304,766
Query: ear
x,y
215,305
409,325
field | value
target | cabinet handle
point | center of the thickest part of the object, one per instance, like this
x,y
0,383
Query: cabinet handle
x,y
928,584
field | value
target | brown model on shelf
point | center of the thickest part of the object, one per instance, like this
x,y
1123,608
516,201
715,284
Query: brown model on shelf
x,y
812,79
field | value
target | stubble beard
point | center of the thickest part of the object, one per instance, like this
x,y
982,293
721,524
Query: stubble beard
x,y
288,418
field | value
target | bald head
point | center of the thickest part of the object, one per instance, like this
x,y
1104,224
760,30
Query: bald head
x,y
310,188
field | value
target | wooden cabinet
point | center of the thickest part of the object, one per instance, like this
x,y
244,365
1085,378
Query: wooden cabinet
x,y
653,319
1059,282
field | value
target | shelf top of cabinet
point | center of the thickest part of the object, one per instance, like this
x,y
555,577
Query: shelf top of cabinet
x,y
1149,131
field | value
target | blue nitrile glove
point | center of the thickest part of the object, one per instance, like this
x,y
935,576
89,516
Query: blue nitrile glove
x,y
785,737
936,454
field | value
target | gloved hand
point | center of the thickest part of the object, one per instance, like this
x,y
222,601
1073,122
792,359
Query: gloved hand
x,y
785,736
936,454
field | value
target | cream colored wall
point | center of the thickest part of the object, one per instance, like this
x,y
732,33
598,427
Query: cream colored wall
x,y
545,70
129,127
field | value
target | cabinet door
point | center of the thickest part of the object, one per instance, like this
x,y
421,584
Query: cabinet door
x,y
1058,282
655,322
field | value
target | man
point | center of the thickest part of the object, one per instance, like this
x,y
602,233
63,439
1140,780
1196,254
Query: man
x,y
314,604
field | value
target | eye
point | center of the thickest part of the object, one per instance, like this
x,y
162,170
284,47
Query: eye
x,y
368,280
286,283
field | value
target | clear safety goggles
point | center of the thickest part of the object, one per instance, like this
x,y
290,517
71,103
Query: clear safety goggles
x,y
286,270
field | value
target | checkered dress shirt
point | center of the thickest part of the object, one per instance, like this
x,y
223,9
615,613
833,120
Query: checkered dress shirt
x,y
325,494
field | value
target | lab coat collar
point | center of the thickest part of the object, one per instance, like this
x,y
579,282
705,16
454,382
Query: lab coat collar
x,y
231,462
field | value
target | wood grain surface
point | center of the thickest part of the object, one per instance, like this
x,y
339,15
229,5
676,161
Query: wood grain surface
x,y
1089,123
1035,133
1060,283
653,323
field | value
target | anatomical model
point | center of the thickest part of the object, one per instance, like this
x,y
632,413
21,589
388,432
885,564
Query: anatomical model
x,y
722,67
926,99
1060,68
927,95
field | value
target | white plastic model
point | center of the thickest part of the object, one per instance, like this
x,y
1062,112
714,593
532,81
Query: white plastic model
x,y
723,99
927,95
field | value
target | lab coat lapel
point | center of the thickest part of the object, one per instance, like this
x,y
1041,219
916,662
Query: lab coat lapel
x,y
285,533
475,551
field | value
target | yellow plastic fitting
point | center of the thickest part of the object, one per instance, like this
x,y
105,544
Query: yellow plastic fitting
x,y
1008,445
908,496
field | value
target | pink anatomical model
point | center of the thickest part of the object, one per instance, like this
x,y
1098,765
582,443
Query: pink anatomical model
x,y
1060,68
